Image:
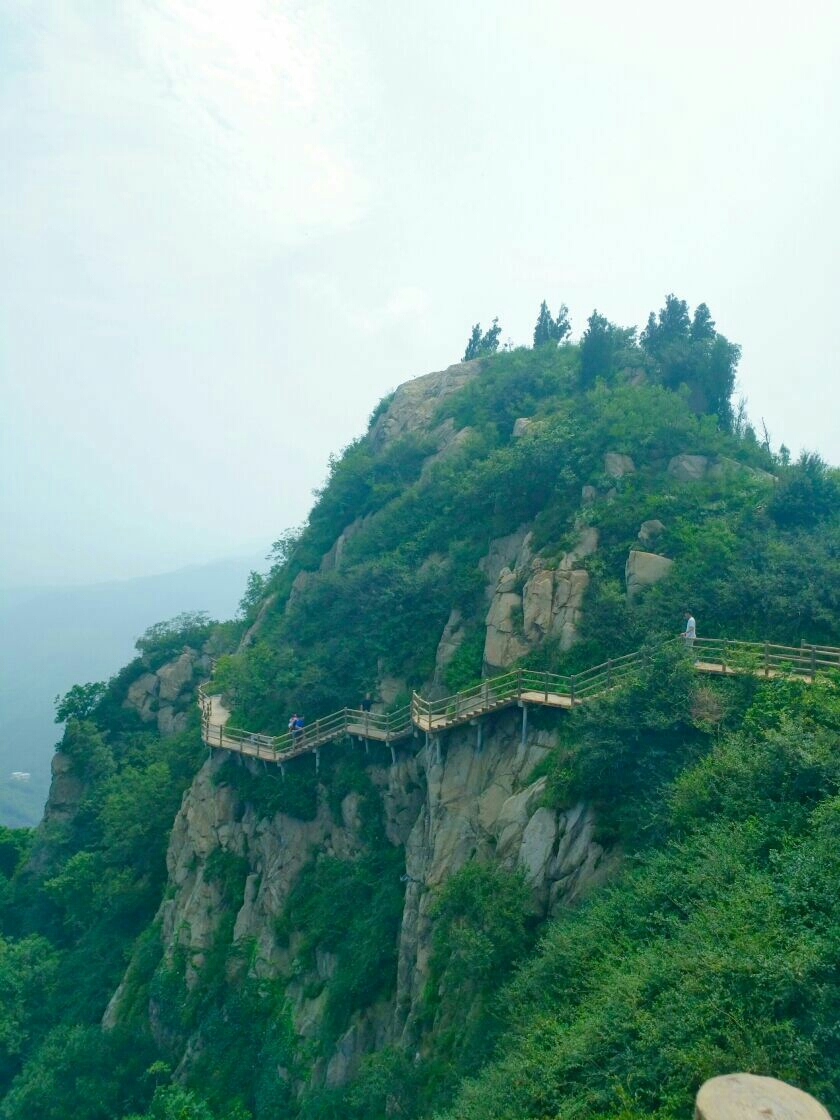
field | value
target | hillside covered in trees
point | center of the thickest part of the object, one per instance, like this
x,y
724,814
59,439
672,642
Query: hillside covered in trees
x,y
585,917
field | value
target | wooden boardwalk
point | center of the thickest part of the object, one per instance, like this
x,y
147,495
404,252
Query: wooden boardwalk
x,y
519,687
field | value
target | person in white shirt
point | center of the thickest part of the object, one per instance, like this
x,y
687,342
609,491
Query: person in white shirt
x,y
690,632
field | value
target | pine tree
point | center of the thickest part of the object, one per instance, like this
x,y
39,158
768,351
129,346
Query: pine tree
x,y
702,325
595,349
490,341
543,328
562,326
474,345
551,330
482,345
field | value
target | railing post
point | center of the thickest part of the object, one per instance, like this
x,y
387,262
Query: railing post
x,y
546,686
519,683
221,733
725,652
813,663
766,659
609,672
573,689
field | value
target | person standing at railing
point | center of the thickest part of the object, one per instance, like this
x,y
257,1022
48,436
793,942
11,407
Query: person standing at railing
x,y
690,631
367,703
297,730
293,724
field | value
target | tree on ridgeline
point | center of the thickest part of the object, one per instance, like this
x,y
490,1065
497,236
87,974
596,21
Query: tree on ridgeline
x,y
548,329
483,345
690,352
604,347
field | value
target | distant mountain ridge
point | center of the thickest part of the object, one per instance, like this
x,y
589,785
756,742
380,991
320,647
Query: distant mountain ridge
x,y
56,637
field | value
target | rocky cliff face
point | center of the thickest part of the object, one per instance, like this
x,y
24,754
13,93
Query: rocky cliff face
x,y
413,404
443,802
533,598
162,697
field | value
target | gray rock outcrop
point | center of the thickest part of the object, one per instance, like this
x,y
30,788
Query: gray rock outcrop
x,y
164,696
688,468
650,530
511,551
746,1096
446,805
644,569
413,404
521,426
476,808
503,642
617,465
533,601
174,677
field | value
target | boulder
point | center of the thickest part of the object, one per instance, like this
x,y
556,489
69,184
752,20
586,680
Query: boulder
x,y
688,468
746,1096
617,465
588,494
650,530
521,426
643,569
175,676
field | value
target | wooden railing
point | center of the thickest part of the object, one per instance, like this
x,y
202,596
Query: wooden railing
x,y
724,656
277,748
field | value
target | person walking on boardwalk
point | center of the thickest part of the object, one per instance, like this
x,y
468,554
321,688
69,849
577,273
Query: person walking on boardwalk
x,y
292,723
297,730
690,632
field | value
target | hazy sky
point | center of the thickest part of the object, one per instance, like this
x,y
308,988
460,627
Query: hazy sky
x,y
230,226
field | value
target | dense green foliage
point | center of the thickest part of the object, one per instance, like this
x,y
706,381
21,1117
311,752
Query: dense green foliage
x,y
714,950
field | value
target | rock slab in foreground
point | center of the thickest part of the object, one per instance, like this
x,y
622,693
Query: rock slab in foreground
x,y
745,1096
